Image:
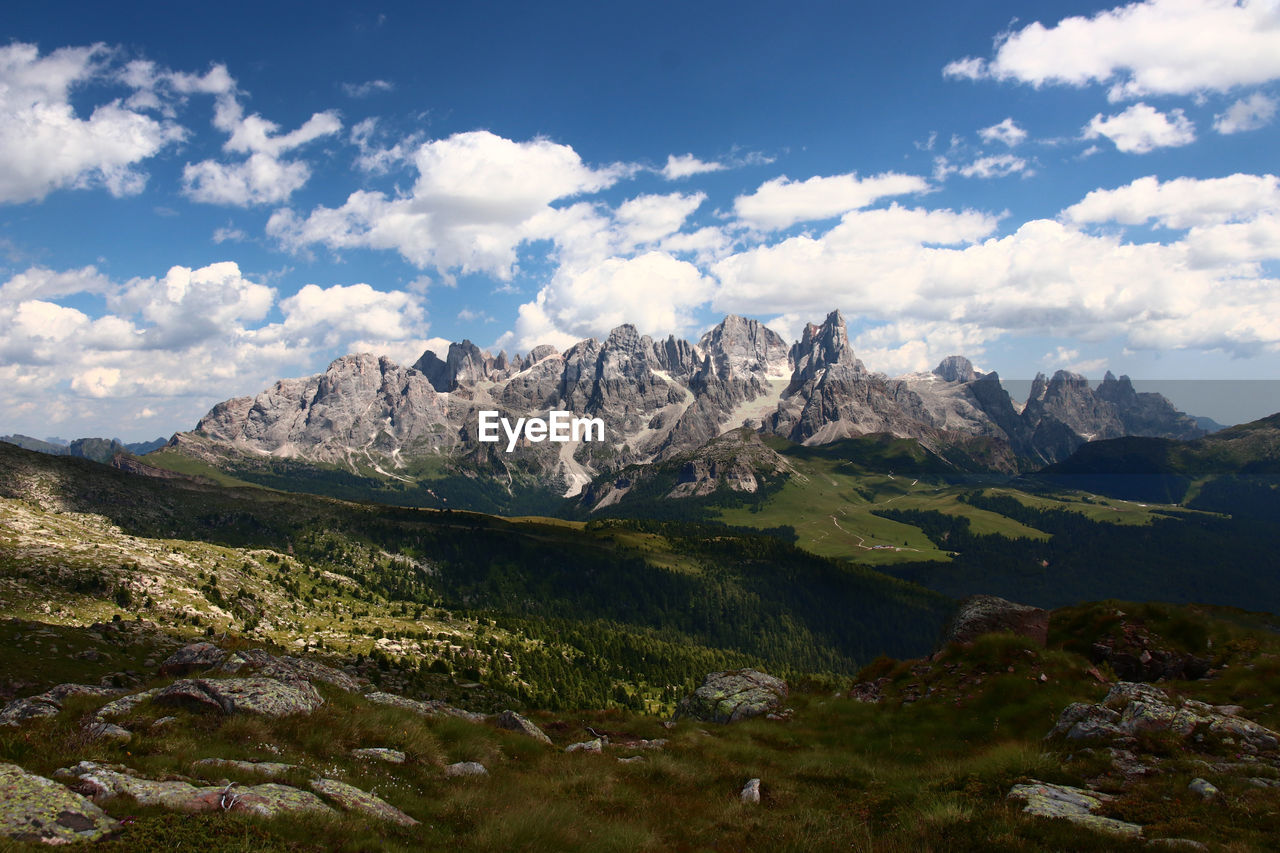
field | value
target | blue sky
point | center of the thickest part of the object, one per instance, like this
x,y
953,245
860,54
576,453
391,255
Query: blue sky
x,y
197,200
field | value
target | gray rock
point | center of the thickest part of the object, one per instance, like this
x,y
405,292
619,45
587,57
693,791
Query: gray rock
x,y
350,798
261,768
727,697
49,703
266,696
750,792
1203,787
196,657
1074,804
466,768
111,732
983,614
513,722
36,809
427,708
379,753
596,746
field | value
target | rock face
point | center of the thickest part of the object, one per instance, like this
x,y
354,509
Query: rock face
x,y
33,808
727,697
427,708
984,614
657,399
49,703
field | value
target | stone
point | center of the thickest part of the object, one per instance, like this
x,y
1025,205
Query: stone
x,y
351,798
117,708
727,697
427,708
466,768
379,753
1203,787
49,703
513,722
1074,804
1177,844
196,657
750,792
36,809
112,732
985,614
596,746
266,696
262,768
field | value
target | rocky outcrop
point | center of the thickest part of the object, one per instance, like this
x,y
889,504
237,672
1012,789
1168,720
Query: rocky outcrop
x,y
985,614
379,753
49,703
727,697
1136,654
267,696
466,768
427,708
352,799
36,809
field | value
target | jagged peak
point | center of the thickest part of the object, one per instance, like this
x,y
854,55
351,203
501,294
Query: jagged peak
x,y
956,368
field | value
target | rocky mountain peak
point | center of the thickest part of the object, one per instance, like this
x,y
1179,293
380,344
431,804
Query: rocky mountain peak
x,y
741,346
955,368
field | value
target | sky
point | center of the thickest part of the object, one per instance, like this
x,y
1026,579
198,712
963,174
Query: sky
x,y
199,199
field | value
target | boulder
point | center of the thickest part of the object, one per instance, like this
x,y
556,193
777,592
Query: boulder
x,y
261,768
197,657
117,708
466,768
513,722
596,746
36,809
353,799
750,792
1074,804
726,697
985,614
49,703
267,696
1203,787
286,668
379,753
427,708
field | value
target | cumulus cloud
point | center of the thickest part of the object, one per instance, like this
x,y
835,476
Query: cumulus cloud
x,y
265,176
653,291
1181,202
686,165
46,145
781,202
1251,113
1157,47
648,218
182,340
1006,131
995,166
477,198
1142,128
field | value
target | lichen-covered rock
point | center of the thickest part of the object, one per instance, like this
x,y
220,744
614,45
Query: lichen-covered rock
x,y
1074,804
267,800
984,614
262,768
1203,787
1080,721
286,668
197,657
267,696
379,753
48,703
466,768
596,746
513,722
110,731
33,808
117,708
427,708
353,799
726,697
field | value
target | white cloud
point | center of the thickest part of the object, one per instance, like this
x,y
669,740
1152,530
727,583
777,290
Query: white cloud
x,y
686,165
1006,131
1142,128
781,202
375,158
264,176
649,218
45,145
229,234
1250,113
652,291
326,316
367,88
477,198
1158,47
44,283
1181,202
996,166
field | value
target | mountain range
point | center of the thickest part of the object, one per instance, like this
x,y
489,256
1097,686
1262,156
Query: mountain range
x,y
377,421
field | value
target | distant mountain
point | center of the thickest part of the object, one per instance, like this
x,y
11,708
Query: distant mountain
x,y
98,449
368,424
